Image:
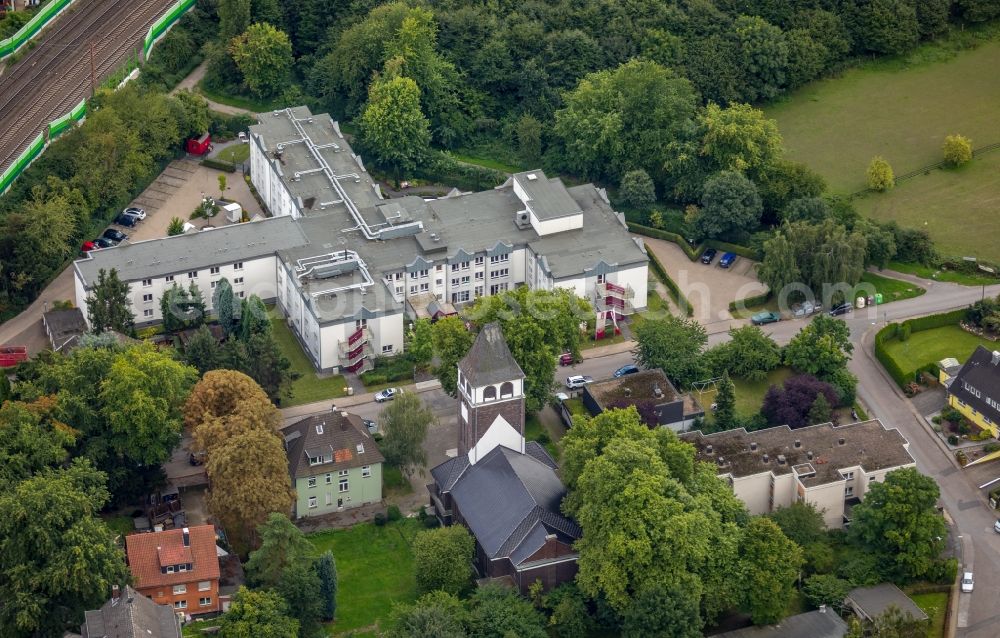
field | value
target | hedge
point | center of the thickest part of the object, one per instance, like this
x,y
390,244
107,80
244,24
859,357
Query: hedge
x,y
749,302
890,332
218,164
693,252
726,247
675,292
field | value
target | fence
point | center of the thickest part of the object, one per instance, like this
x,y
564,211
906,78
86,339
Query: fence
x,y
976,152
10,45
161,26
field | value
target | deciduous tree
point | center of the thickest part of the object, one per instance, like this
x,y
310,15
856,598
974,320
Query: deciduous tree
x,y
405,421
226,403
420,346
730,207
263,55
821,348
763,54
393,127
234,18
674,345
438,614
495,610
826,589
749,354
443,559
258,613
800,522
659,610
31,439
957,150
739,138
202,350
451,341
769,564
880,176
637,189
791,404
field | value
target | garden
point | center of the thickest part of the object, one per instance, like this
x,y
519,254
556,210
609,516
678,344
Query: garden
x,y
306,385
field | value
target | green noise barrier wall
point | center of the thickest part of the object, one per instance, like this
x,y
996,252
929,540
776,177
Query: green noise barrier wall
x,y
9,45
162,25
15,169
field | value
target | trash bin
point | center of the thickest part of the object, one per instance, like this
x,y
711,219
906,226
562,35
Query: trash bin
x,y
350,391
878,297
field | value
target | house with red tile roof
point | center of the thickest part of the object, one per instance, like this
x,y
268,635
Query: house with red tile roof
x,y
177,567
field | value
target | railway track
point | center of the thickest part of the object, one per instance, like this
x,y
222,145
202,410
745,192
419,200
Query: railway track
x,y
56,74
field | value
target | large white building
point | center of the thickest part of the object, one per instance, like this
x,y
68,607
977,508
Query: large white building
x,y
344,265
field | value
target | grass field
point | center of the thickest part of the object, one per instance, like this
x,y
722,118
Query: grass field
x,y
374,570
928,346
935,606
900,109
749,394
249,104
891,289
957,207
237,153
308,387
942,275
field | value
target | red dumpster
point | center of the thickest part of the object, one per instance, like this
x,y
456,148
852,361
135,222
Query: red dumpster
x,y
200,145
12,355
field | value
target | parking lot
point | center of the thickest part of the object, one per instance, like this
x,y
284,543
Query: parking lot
x,y
178,191
709,288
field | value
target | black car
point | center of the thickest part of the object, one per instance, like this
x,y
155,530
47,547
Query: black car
x,y
126,220
841,309
103,242
708,256
114,235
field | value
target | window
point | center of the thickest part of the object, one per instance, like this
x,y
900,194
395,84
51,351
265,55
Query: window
x,y
397,276
454,281
459,297
848,475
439,267
490,393
422,273
424,287
413,290
205,602
328,478
312,481
180,589
180,604
366,471
480,260
147,283
343,485
315,460
497,288
465,280
329,498
204,585
168,278
312,502
343,473
499,274
241,294
500,259
479,276
454,267
465,265
849,490
238,265
386,349
439,282
214,270
601,279
479,289
148,312
212,284
170,569
506,390
147,298
237,280
192,274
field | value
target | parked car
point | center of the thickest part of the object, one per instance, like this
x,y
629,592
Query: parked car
x,y
727,260
967,582
371,425
102,242
996,526
387,395
762,318
841,309
87,246
578,381
136,212
115,236
626,369
126,220
806,308
708,256
566,359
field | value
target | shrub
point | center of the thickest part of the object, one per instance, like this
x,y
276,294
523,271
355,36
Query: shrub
x,y
961,457
220,165
943,571
990,448
637,189
904,332
957,150
380,519
393,513
431,522
880,176
953,439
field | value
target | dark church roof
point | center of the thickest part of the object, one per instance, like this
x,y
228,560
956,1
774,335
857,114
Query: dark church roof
x,y
131,616
489,360
509,500
978,383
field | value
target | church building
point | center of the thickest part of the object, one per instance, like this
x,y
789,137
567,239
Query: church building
x,y
504,489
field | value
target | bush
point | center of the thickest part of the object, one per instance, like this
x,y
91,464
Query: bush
x,y
961,457
990,448
637,189
380,519
880,176
957,150
431,522
220,165
943,571
904,332
953,439
393,513
750,302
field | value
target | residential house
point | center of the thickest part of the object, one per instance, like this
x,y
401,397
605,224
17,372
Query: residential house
x,y
831,467
974,389
504,489
869,603
334,462
177,567
131,615
342,264
651,393
64,328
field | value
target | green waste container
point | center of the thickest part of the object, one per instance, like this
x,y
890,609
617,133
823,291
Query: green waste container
x,y
878,297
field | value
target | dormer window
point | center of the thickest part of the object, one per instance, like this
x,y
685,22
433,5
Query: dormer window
x,y
319,428
361,448
315,460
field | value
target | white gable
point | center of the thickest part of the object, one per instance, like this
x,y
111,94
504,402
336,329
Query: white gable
x,y
499,433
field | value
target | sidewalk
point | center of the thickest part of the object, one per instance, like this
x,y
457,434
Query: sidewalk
x,y
316,407
190,83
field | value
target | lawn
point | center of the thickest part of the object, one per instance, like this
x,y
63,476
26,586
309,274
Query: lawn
x,y
928,346
374,570
937,274
235,154
935,606
535,431
901,109
957,207
308,387
249,104
891,289
749,394
393,482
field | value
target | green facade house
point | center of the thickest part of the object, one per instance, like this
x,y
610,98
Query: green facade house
x,y
334,462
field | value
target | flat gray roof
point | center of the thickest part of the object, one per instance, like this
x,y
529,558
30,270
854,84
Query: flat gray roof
x,y
547,197
192,251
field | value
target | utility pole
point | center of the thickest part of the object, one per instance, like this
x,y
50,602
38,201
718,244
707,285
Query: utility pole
x,y
93,75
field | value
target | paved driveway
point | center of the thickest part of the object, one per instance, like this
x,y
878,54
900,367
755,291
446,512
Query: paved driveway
x,y
709,289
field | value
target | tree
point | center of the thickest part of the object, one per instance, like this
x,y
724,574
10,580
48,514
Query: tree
x,y
234,18
529,139
393,127
258,613
225,403
404,422
957,150
880,177
725,404
175,227
496,610
807,209
763,54
673,345
791,405
108,304
932,17
253,318
57,558
821,348
202,350
222,185
664,612
738,138
820,412
730,207
888,26
421,342
825,257
261,357
182,308
226,308
301,587
826,589
749,354
899,521
570,617
31,439
800,522
282,545
326,569
637,189
263,55
451,341
443,559
248,474
434,615
769,566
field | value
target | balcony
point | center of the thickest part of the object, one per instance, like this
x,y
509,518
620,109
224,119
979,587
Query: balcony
x,y
612,290
611,297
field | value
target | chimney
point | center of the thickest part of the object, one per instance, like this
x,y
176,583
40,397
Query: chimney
x,y
996,357
798,443
766,457
708,449
628,391
186,535
781,459
809,455
116,592
753,446
657,391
